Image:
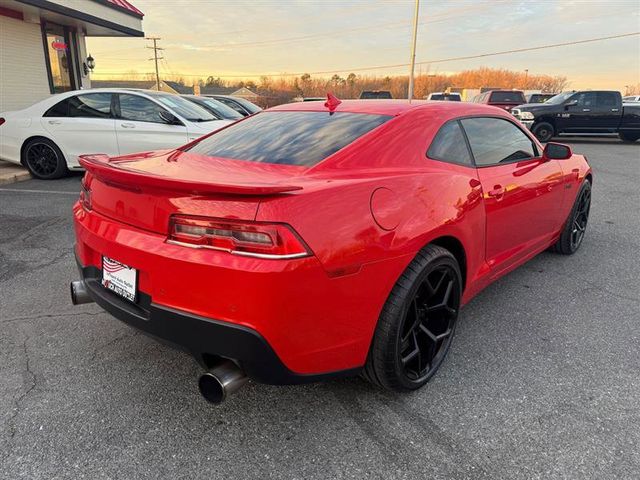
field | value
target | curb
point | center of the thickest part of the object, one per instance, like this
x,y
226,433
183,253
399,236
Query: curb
x,y
12,174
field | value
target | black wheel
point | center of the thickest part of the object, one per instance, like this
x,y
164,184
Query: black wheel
x,y
543,131
629,137
417,323
576,225
44,159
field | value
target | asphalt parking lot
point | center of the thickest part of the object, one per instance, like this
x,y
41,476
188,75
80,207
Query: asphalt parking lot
x,y
543,379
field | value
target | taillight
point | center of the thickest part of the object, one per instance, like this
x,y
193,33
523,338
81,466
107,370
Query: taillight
x,y
85,196
2,120
253,239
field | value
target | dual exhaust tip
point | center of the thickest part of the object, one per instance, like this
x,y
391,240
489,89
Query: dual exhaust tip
x,y
215,385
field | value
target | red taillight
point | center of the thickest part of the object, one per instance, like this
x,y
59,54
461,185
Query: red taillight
x,y
2,120
254,239
85,195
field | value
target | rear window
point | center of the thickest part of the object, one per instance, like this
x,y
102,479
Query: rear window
x,y
290,138
507,97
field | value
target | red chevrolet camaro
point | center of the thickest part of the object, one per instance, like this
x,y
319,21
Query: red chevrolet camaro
x,y
317,240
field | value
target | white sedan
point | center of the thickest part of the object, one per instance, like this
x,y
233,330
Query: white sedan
x,y
49,136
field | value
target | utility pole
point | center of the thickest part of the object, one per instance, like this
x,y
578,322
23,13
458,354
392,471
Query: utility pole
x,y
413,49
156,58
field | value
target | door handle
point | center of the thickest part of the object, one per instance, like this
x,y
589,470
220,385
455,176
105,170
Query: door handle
x,y
127,125
55,122
497,192
586,109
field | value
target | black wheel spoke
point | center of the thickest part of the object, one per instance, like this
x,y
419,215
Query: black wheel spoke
x,y
428,333
411,355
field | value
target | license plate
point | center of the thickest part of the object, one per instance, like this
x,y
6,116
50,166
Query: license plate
x,y
119,278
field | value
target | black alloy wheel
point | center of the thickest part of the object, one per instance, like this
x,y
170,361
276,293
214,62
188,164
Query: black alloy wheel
x,y
543,131
580,218
417,323
429,324
575,227
44,159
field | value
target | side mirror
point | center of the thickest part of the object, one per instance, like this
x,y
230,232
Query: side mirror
x,y
556,151
168,117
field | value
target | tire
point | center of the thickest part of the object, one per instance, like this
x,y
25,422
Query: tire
x,y
44,159
419,316
629,137
543,131
576,224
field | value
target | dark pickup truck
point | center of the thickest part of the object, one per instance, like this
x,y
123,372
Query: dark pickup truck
x,y
588,112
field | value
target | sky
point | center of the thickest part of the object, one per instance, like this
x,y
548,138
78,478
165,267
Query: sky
x,y
232,39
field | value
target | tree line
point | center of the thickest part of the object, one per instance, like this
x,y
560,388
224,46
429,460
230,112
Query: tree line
x,y
351,85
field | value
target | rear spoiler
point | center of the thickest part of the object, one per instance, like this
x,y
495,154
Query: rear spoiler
x,y
115,172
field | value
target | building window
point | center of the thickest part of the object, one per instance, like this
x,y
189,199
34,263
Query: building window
x,y
59,53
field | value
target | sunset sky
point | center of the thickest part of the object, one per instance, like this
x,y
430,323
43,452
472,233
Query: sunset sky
x,y
264,37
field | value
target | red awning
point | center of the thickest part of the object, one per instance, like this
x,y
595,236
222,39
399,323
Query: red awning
x,y
126,6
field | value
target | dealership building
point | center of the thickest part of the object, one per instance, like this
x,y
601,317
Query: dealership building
x,y
42,44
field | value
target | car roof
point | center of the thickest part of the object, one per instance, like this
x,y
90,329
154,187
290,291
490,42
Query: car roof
x,y
143,91
390,107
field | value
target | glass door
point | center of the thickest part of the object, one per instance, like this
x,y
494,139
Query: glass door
x,y
60,58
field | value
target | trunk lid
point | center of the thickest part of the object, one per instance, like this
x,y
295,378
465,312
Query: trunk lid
x,y
145,189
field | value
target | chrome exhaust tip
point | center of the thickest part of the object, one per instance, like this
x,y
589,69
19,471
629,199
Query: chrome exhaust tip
x,y
221,381
79,293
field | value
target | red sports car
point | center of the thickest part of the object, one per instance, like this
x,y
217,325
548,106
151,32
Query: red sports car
x,y
312,241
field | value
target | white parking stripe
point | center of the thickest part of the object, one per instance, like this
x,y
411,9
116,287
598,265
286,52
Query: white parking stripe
x,y
12,190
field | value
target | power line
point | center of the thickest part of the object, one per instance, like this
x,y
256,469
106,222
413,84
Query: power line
x,y
398,65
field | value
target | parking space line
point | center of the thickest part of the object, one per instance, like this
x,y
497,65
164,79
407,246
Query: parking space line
x,y
55,192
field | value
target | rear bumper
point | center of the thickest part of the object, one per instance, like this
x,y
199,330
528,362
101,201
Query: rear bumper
x,y
206,339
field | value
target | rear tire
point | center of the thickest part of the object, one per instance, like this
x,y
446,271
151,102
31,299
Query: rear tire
x,y
543,131
576,225
44,159
629,137
417,323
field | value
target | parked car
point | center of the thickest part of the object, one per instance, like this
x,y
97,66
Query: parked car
x,y
314,241
375,95
445,96
540,97
215,107
242,106
48,137
590,111
631,99
505,99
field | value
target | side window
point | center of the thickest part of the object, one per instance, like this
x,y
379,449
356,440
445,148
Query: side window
x,y
496,140
607,100
60,109
234,105
586,99
449,145
93,105
139,109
